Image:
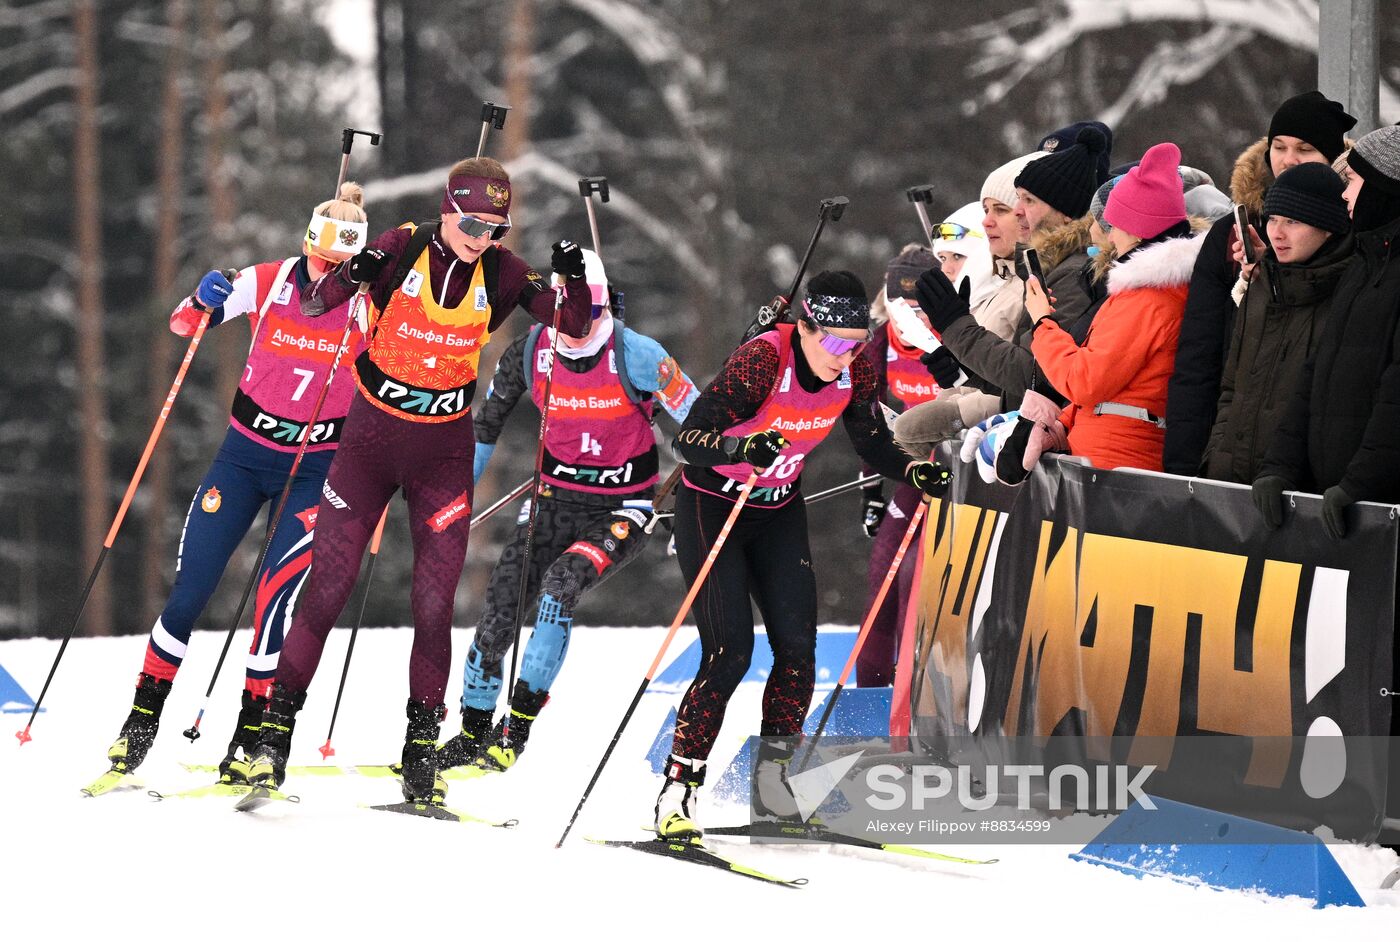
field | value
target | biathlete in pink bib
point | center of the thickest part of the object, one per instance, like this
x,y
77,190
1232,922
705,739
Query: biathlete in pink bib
x,y
777,398
289,359
598,477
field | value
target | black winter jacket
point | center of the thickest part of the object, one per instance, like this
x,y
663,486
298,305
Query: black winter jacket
x,y
1343,425
1277,329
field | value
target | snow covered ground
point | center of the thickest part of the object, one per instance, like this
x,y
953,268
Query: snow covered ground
x,y
124,866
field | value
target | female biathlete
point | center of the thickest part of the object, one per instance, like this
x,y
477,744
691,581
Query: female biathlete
x,y
438,292
288,360
598,475
775,400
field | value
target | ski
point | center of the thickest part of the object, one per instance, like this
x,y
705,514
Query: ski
x,y
259,795
458,774
217,790
816,832
696,853
111,781
423,809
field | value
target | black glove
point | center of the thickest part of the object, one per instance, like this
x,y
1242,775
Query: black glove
x,y
367,265
1268,499
939,301
567,260
760,449
872,509
943,367
1335,501
930,477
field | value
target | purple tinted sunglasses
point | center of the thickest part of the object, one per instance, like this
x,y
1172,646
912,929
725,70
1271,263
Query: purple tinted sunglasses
x,y
836,346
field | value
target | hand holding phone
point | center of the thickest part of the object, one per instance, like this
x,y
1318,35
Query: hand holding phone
x,y
1242,233
1032,258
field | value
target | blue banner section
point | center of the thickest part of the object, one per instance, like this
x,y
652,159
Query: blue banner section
x,y
833,648
13,699
1195,845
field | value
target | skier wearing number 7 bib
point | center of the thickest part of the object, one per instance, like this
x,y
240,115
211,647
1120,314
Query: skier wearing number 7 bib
x,y
597,479
288,359
775,400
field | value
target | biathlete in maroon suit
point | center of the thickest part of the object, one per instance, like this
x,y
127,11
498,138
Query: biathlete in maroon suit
x,y
904,380
598,476
776,399
438,292
288,361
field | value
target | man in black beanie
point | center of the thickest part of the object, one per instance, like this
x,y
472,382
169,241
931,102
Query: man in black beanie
x,y
1053,190
1307,128
1310,120
1066,137
1284,302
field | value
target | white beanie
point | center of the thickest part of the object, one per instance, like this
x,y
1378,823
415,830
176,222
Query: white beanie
x,y
978,267
1000,184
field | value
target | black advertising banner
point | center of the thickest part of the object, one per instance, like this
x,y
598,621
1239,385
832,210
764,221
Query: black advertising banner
x,y
1153,612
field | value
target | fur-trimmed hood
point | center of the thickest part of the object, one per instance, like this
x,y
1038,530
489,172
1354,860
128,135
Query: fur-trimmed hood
x,y
1057,244
1252,175
1165,264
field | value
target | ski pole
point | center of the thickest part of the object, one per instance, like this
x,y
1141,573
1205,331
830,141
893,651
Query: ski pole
x,y
743,498
870,616
534,506
921,196
492,115
276,513
347,140
815,498
484,515
23,735
829,210
328,750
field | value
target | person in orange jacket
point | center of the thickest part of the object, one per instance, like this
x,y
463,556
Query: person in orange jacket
x,y
1117,381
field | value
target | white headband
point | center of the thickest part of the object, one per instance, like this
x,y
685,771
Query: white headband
x,y
336,235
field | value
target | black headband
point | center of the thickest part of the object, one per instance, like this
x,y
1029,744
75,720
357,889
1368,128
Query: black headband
x,y
832,311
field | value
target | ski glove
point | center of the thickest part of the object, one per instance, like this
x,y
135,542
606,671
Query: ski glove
x,y
1335,502
872,510
929,476
943,367
939,300
567,260
367,266
982,441
760,449
214,289
1268,499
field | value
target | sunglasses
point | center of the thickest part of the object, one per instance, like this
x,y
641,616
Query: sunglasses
x,y
475,228
951,232
837,346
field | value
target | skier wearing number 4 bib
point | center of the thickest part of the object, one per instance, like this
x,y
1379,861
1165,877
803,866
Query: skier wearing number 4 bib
x,y
597,480
776,399
288,359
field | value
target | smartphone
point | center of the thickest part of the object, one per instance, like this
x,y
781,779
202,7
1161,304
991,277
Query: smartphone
x,y
1032,258
1242,230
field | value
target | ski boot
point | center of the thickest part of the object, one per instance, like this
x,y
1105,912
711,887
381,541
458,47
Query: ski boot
x,y
234,769
503,752
139,730
470,743
421,780
268,766
676,805
772,794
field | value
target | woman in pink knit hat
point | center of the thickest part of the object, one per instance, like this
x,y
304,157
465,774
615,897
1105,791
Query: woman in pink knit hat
x,y
1117,381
